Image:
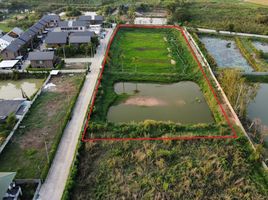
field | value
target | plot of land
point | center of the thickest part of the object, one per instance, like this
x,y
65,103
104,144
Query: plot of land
x,y
41,129
136,50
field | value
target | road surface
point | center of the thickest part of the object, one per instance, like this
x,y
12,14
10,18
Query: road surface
x,y
78,60
53,187
204,30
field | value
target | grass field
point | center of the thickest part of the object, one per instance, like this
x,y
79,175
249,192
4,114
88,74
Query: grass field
x,y
43,125
142,51
4,27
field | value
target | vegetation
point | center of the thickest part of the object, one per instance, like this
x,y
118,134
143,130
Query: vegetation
x,y
201,169
241,92
32,148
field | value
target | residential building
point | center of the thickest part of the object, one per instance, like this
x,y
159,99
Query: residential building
x,y
56,39
10,37
8,189
72,26
51,20
15,49
9,64
79,38
42,59
17,107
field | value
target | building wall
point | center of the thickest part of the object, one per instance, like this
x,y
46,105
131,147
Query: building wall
x,y
42,64
7,55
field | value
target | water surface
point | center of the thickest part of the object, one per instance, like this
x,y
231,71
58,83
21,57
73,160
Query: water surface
x,y
181,102
261,46
225,53
10,89
258,108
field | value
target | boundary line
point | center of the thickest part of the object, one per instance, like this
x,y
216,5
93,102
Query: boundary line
x,y
234,134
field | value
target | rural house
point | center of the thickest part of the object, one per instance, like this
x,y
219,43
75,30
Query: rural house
x,y
42,59
56,39
79,38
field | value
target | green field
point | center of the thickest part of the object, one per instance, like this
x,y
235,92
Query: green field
x,y
135,50
41,128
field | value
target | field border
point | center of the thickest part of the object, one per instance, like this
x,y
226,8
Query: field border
x,y
232,136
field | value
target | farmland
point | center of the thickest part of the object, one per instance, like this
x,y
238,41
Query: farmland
x,y
162,169
41,129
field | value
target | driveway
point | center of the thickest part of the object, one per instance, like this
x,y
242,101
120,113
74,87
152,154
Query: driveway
x,y
54,185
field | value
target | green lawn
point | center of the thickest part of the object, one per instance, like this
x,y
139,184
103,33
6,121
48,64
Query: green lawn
x,y
141,51
26,153
4,27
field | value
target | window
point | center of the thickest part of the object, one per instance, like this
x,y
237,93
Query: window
x,y
40,62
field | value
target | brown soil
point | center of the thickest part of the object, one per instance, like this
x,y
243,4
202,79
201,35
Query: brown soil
x,y
145,101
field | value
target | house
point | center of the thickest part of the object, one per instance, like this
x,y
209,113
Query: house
x,y
9,64
7,107
72,26
79,38
14,49
42,59
8,189
28,37
97,19
10,37
51,20
56,39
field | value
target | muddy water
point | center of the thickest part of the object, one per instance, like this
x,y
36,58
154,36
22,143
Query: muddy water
x,y
225,53
10,89
258,108
181,102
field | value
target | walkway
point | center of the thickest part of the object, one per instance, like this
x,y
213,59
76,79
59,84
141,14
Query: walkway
x,y
204,30
55,182
79,60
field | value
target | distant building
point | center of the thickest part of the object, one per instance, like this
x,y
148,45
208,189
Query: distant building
x,y
7,107
56,39
51,20
72,26
42,59
79,38
91,19
10,37
9,64
8,189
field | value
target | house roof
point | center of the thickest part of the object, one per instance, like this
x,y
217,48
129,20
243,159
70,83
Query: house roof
x,y
79,39
17,31
63,23
27,35
56,38
79,23
9,106
8,63
34,29
83,33
98,17
6,178
42,22
7,38
85,18
15,45
51,17
41,55
38,26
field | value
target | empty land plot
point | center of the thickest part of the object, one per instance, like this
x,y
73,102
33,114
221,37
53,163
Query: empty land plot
x,y
41,129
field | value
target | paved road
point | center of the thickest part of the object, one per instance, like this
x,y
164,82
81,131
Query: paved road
x,y
78,60
204,30
54,184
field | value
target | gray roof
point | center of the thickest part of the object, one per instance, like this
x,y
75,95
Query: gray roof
x,y
42,22
63,23
16,30
85,18
41,55
83,33
56,38
98,17
72,23
15,45
38,26
6,178
27,35
7,38
79,23
34,29
51,17
9,106
79,39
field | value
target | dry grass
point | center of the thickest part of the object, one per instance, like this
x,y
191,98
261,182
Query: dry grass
x,y
262,2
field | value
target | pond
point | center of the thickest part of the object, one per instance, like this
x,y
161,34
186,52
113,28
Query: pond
x,y
181,102
225,53
258,108
261,46
10,89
